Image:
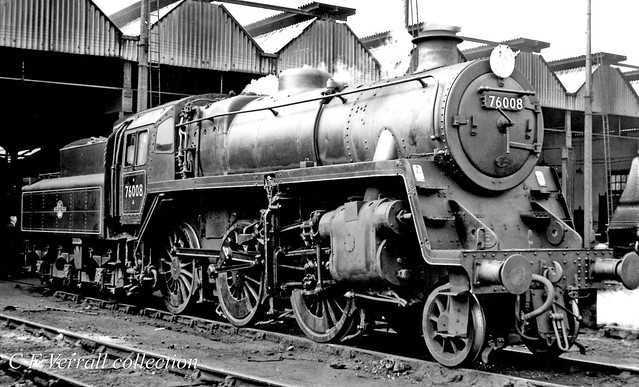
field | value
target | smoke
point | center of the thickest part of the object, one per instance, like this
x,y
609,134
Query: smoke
x,y
343,73
346,74
266,85
395,54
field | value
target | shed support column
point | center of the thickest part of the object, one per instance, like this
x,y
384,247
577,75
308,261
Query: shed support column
x,y
126,99
143,58
589,236
567,160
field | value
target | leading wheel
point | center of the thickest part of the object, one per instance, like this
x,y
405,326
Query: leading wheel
x,y
449,349
178,275
241,292
324,316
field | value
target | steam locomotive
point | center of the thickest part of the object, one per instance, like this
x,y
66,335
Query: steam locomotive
x,y
414,201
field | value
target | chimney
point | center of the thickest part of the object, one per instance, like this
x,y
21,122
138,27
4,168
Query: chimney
x,y
436,48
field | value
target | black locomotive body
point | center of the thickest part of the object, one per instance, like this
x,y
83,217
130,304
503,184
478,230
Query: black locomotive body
x,y
415,200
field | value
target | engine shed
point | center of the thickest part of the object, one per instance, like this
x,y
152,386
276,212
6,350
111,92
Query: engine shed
x,y
69,71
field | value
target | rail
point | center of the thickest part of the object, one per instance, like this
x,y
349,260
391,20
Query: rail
x,y
208,373
15,366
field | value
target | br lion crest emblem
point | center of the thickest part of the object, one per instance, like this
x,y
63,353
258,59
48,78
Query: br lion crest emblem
x,y
59,209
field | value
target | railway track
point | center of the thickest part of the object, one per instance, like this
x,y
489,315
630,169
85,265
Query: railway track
x,y
513,355
505,362
510,356
20,371
206,375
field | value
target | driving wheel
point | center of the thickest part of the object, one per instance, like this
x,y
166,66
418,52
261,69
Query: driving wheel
x,y
178,275
324,316
241,292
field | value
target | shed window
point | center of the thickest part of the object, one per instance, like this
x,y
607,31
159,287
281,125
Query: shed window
x,y
164,139
618,182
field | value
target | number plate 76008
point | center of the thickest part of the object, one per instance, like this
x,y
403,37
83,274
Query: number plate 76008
x,y
504,102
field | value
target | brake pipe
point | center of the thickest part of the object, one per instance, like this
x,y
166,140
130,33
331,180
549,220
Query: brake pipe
x,y
550,297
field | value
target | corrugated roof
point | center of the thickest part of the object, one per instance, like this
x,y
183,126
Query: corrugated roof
x,y
612,94
286,19
132,12
549,89
573,79
203,35
473,51
69,26
333,46
580,61
273,42
632,75
133,28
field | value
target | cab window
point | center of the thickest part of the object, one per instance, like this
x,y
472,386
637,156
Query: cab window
x,y
164,139
130,149
136,151
143,146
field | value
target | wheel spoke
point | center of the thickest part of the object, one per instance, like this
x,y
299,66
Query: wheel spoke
x,y
248,299
329,322
184,293
186,281
318,308
440,306
339,307
453,346
250,289
331,313
253,280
